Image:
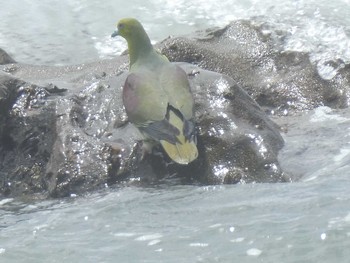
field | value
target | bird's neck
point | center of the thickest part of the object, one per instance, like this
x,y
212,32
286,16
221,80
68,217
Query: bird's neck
x,y
139,48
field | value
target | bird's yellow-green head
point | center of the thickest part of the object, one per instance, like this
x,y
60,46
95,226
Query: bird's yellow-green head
x,y
136,36
128,28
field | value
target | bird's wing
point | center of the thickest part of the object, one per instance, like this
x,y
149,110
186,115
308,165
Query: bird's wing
x,y
175,83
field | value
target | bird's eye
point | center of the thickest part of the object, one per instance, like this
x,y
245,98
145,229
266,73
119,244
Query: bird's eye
x,y
121,26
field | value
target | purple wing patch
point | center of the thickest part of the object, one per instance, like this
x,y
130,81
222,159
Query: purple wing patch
x,y
130,98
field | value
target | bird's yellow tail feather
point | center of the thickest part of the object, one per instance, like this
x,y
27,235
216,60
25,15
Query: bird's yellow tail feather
x,y
184,151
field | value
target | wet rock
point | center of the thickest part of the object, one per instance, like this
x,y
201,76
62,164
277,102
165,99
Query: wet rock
x,y
5,58
27,120
64,131
252,54
237,141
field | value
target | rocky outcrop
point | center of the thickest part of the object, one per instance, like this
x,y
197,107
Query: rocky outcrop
x,y
5,58
65,132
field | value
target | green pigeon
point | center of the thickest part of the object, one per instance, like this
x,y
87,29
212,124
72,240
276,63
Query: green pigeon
x,y
157,96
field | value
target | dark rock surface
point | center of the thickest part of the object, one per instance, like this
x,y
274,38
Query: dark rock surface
x,y
5,58
251,53
64,131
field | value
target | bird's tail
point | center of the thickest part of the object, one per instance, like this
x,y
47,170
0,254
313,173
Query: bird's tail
x,y
184,150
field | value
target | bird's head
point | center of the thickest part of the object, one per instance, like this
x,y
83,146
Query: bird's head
x,y
139,43
129,28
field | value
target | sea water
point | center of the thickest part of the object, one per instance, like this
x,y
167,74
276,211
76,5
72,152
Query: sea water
x,y
304,221
55,32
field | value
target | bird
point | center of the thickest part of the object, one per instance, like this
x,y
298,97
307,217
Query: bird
x,y
157,96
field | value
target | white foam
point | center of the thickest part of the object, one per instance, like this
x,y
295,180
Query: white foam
x,y
109,47
324,113
254,252
149,237
154,242
5,201
343,153
199,244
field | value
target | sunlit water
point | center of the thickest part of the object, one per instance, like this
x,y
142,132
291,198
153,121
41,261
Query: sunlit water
x,y
305,221
298,222
77,31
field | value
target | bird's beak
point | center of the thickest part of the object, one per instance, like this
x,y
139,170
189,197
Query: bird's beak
x,y
115,33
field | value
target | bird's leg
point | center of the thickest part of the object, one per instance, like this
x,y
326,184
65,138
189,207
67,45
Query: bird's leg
x,y
146,148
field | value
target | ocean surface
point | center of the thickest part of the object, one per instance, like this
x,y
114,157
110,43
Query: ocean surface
x,y
304,221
